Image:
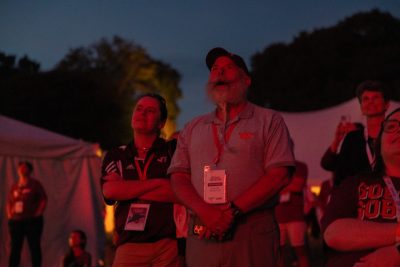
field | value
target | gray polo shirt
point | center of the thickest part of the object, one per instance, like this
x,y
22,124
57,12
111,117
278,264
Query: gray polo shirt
x,y
259,140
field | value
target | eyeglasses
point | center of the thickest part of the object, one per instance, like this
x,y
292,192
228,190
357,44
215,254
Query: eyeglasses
x,y
391,126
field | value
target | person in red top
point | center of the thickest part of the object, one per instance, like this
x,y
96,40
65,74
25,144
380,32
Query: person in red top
x,y
26,203
361,225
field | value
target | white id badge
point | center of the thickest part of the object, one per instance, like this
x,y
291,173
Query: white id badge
x,y
214,186
18,207
137,217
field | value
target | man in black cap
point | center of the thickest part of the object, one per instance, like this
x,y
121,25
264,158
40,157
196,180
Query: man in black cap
x,y
228,169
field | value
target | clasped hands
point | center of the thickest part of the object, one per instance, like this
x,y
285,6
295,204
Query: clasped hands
x,y
218,221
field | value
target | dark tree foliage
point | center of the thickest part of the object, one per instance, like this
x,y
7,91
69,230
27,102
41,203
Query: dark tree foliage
x,y
322,68
8,65
90,94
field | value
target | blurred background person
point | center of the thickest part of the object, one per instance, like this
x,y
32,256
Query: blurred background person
x,y
77,256
291,218
26,203
357,150
324,197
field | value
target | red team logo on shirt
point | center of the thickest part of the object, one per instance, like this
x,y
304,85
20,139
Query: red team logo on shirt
x,y
375,202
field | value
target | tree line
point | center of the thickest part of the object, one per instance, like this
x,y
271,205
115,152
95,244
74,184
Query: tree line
x,y
322,68
89,94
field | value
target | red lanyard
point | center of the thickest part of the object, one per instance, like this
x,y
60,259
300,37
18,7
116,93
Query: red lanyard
x,y
218,144
394,193
143,174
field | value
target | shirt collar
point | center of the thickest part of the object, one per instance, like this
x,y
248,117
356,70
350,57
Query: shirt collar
x,y
158,143
246,113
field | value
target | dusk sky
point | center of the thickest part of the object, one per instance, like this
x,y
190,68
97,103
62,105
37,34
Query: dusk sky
x,y
177,32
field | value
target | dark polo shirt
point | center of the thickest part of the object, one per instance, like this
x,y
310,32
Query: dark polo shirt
x,y
160,222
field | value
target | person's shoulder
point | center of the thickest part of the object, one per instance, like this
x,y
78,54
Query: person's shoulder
x,y
171,143
116,150
264,112
199,120
35,181
365,177
261,109
202,118
368,177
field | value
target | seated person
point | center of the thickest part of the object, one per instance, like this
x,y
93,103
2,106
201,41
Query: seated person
x,y
77,256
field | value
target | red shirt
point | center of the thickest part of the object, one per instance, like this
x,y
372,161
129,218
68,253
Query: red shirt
x,y
365,198
25,200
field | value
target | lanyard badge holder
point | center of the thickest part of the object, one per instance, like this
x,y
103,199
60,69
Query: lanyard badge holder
x,y
138,212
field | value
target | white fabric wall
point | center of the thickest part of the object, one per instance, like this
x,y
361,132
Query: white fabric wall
x,y
69,171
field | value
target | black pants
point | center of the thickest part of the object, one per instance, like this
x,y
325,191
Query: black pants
x,y
31,228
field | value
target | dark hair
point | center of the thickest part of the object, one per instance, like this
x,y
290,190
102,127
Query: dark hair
x,y
27,164
379,167
161,101
371,85
83,237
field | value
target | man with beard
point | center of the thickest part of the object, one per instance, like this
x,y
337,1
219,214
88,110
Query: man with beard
x,y
228,169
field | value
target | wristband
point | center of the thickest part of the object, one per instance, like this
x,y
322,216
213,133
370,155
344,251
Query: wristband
x,y
236,211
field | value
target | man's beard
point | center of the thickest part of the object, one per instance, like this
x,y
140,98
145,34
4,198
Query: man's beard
x,y
234,93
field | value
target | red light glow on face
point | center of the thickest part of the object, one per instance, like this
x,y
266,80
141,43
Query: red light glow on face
x,y
373,103
227,82
23,170
146,116
74,239
224,71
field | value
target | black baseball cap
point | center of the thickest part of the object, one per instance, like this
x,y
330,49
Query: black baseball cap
x,y
217,52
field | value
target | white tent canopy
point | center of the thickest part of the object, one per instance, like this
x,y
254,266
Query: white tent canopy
x,y
69,170
313,132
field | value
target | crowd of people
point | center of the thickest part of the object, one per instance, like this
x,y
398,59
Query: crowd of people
x,y
227,191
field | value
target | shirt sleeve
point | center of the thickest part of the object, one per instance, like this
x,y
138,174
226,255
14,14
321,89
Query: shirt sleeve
x,y
329,160
278,147
181,161
109,165
348,160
